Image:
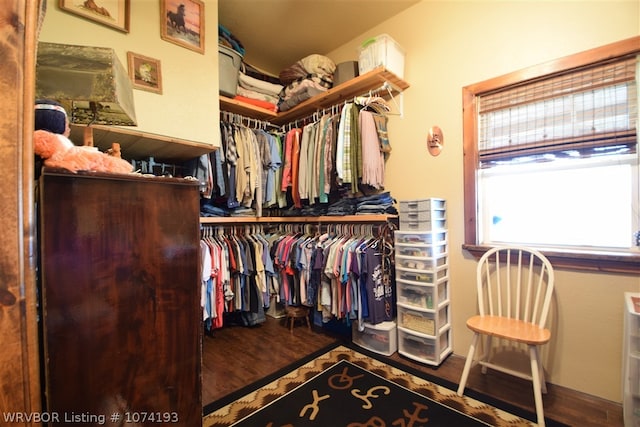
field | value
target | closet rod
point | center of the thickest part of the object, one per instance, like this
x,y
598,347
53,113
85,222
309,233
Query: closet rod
x,y
387,87
236,118
307,219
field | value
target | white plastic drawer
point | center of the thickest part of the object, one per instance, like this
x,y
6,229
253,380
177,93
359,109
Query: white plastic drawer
x,y
431,225
422,348
422,276
432,215
422,204
421,263
380,338
422,296
425,322
420,237
426,251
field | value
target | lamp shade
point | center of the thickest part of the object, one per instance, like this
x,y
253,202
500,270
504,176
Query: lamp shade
x,y
90,82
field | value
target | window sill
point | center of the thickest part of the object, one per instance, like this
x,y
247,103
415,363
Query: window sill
x,y
604,262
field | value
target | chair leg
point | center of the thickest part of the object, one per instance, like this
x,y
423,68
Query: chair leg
x,y
467,364
537,388
543,381
486,352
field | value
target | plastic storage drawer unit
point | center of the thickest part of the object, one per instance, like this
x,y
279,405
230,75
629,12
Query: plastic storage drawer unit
x,y
380,338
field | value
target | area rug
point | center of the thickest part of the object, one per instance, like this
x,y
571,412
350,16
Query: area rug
x,y
346,387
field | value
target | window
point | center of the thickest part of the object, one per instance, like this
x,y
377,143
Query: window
x,y
551,159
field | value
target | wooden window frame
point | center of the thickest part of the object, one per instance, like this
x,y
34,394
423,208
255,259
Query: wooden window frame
x,y
615,262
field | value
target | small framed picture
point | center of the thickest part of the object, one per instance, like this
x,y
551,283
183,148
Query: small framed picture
x,y
144,72
112,13
182,23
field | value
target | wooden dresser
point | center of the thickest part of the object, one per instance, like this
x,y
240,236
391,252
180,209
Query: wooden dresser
x,y
120,298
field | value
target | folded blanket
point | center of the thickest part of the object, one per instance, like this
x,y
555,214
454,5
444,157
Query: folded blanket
x,y
258,103
312,64
257,85
318,64
315,81
304,93
248,93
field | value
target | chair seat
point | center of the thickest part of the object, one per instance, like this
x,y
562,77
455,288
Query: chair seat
x,y
512,329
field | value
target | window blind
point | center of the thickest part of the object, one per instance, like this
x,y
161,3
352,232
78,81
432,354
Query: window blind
x,y
590,111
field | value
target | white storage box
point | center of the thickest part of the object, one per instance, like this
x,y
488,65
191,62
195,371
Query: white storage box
x,y
422,276
423,320
380,338
381,51
421,237
415,295
228,68
428,251
420,262
430,350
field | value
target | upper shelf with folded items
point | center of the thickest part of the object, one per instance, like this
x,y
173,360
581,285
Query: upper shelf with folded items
x,y
375,79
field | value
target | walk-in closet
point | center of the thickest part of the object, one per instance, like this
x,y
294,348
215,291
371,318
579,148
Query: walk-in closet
x,y
273,208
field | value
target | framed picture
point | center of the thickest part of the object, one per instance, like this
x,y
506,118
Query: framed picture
x,y
112,13
144,72
182,23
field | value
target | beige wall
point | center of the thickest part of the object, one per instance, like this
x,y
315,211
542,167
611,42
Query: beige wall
x,y
451,44
188,107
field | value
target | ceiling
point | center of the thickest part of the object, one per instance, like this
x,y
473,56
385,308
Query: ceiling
x,y
277,33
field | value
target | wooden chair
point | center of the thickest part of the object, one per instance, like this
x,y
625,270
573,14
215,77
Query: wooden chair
x,y
515,287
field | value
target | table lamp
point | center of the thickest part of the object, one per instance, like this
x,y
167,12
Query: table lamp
x,y
90,82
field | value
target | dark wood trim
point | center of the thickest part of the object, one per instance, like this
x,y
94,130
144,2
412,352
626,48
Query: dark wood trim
x,y
600,262
591,261
19,358
592,56
470,158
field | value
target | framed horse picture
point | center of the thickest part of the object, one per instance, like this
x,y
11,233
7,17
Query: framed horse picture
x,y
182,23
112,13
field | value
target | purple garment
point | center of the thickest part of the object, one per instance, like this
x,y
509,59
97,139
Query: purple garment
x,y
379,294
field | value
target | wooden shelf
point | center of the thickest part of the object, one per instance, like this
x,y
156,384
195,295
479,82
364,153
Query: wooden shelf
x,y
232,106
297,219
357,86
136,145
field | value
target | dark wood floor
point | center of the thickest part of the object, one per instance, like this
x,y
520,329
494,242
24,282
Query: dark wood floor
x,y
237,356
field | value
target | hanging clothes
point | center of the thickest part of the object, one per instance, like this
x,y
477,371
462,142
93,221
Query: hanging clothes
x,y
372,157
340,273
307,167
